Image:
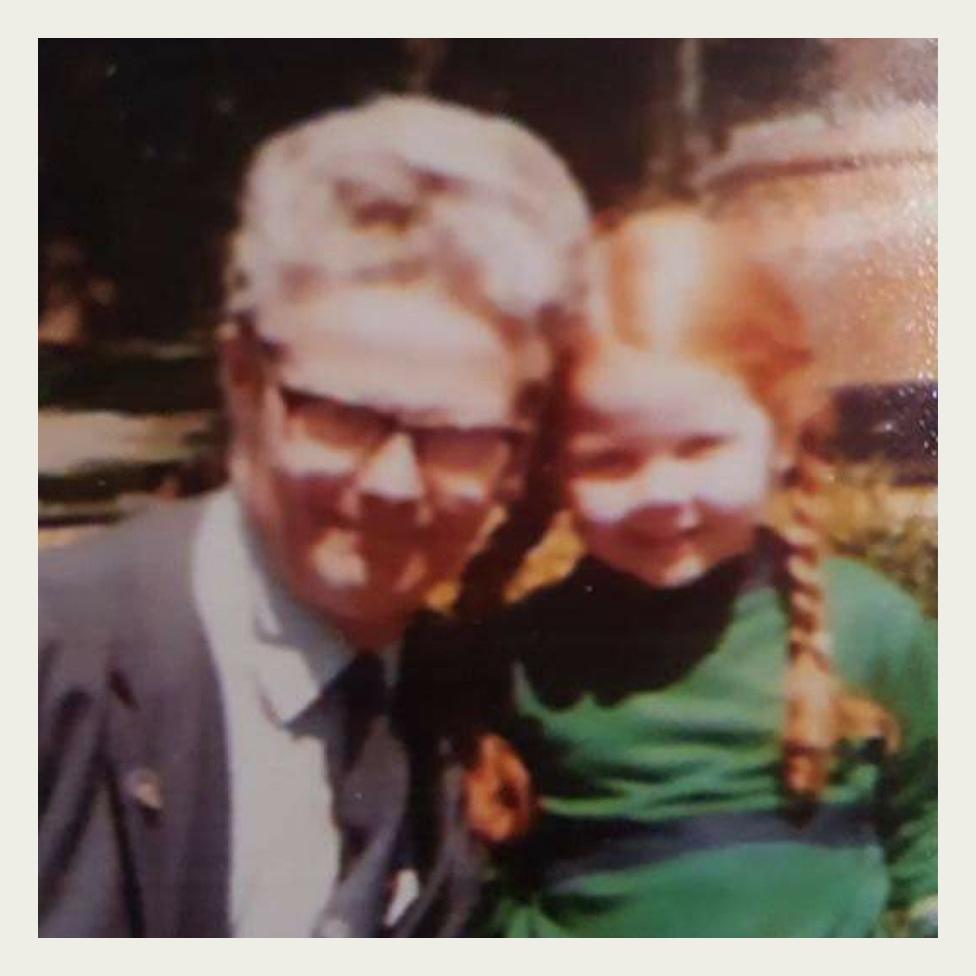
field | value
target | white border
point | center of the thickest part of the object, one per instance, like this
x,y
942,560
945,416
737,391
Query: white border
x,y
841,18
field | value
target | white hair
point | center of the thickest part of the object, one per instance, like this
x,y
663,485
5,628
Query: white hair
x,y
407,186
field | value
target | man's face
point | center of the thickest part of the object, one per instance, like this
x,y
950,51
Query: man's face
x,y
385,435
668,463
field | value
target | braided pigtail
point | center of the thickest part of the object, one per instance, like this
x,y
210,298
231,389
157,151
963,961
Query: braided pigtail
x,y
820,712
811,730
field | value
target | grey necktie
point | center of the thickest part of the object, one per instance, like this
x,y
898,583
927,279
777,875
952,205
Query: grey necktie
x,y
368,767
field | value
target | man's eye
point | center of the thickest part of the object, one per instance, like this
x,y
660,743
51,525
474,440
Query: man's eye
x,y
334,422
611,463
296,401
455,448
698,447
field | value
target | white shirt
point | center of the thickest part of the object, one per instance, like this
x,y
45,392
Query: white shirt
x,y
273,659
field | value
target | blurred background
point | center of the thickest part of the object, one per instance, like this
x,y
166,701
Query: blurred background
x,y
823,151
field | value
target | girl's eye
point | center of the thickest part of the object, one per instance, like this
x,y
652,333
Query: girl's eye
x,y
699,447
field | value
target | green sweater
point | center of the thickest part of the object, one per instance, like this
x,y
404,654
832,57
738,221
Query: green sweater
x,y
651,722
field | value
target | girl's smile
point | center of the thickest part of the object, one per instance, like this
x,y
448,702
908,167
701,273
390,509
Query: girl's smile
x,y
668,462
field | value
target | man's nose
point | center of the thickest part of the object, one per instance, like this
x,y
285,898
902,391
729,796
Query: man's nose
x,y
392,471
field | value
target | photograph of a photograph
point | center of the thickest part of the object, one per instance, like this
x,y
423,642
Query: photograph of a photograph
x,y
488,488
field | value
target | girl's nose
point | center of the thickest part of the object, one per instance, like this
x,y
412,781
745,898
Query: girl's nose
x,y
662,482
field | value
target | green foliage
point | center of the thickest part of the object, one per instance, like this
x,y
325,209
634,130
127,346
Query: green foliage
x,y
890,527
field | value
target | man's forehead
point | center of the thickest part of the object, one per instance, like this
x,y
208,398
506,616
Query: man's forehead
x,y
420,314
408,349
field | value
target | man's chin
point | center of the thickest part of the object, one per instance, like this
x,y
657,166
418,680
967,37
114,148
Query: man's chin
x,y
394,594
368,616
372,599
351,588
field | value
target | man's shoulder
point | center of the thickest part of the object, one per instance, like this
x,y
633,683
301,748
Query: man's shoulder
x,y
107,592
147,540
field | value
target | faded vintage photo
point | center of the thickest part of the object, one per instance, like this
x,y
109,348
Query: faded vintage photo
x,y
488,488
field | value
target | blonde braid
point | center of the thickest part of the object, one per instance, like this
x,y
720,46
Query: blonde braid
x,y
820,711
812,691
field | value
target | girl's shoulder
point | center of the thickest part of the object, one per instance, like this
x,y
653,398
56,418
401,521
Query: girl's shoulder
x,y
881,636
860,595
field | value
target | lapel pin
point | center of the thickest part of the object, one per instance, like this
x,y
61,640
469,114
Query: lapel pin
x,y
144,786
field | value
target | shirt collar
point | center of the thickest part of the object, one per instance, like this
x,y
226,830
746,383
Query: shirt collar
x,y
296,654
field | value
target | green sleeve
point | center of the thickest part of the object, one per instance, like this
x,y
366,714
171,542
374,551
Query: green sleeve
x,y
891,652
910,790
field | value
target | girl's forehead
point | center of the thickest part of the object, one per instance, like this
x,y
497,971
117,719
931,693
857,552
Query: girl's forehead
x,y
625,386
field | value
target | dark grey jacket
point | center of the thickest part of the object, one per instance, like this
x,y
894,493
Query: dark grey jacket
x,y
133,835
133,780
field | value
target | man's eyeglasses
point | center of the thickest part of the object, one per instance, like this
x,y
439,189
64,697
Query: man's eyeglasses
x,y
362,428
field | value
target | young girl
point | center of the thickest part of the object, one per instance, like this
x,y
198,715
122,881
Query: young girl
x,y
714,731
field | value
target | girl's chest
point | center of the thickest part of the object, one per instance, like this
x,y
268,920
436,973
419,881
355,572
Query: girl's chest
x,y
710,736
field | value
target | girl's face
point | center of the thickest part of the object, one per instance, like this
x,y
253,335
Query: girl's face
x,y
668,463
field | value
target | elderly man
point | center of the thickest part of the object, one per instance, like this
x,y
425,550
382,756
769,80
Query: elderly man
x,y
216,751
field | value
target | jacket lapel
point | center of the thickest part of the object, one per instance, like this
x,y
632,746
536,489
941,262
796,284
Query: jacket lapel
x,y
168,748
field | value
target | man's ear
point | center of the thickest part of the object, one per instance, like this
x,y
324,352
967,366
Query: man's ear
x,y
239,369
